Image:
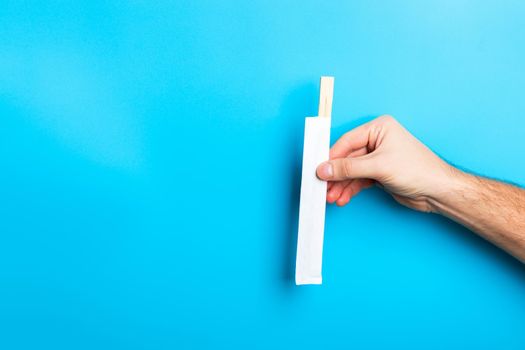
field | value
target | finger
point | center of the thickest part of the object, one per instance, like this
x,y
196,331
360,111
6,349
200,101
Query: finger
x,y
353,188
358,153
348,168
335,191
360,184
351,141
346,195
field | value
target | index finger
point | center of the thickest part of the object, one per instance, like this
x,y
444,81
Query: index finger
x,y
353,140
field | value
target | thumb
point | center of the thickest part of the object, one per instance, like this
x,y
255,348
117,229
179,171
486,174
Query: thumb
x,y
346,168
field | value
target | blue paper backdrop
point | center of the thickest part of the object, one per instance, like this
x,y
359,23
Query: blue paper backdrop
x,y
150,157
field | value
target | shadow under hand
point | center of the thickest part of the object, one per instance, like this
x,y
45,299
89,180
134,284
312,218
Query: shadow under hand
x,y
468,238
459,234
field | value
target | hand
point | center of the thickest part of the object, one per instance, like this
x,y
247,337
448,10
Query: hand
x,y
385,153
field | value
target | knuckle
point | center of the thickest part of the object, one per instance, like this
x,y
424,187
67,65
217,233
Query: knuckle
x,y
388,119
346,168
376,168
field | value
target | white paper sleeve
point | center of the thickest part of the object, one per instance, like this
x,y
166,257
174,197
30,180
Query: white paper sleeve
x,y
313,202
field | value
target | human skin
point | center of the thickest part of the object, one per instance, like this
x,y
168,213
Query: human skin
x,y
383,152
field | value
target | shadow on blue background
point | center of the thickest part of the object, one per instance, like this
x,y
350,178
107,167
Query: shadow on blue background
x,y
300,101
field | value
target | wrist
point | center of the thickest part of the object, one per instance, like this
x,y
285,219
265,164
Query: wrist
x,y
452,188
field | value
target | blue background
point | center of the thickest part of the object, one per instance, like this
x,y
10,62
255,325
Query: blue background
x,y
150,171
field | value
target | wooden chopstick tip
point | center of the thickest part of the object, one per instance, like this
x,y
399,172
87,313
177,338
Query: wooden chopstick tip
x,y
326,96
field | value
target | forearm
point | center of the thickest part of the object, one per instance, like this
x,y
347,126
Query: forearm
x,y
493,209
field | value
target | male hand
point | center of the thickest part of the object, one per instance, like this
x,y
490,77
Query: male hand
x,y
383,152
